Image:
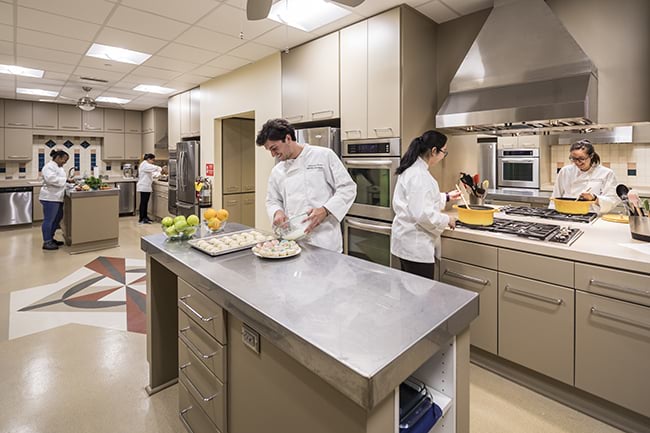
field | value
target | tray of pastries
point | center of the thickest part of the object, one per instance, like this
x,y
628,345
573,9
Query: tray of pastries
x,y
225,243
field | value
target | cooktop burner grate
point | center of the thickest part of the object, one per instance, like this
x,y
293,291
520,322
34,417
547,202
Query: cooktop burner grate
x,y
530,230
547,213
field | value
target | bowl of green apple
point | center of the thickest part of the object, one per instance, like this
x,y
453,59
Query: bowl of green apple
x,y
180,228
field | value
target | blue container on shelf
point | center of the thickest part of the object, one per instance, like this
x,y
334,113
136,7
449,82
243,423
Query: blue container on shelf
x,y
427,420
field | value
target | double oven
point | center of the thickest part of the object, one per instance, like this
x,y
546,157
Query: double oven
x,y
518,168
366,229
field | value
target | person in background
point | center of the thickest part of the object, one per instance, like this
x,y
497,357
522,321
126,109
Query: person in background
x,y
418,205
309,179
51,197
147,171
587,179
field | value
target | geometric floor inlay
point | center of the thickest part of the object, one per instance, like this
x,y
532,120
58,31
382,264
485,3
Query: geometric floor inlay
x,y
108,292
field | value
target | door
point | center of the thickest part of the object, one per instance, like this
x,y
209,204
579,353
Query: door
x,y
232,156
148,143
45,115
195,112
375,180
93,120
185,114
248,146
69,118
133,146
233,204
113,148
323,77
18,114
133,121
113,120
248,209
18,144
174,121
354,81
188,169
368,240
295,90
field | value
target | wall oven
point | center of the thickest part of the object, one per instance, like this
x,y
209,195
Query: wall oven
x,y
368,240
372,163
518,168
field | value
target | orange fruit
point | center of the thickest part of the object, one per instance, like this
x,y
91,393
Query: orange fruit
x,y
214,224
209,214
222,214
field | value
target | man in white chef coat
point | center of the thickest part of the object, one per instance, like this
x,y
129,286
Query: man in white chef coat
x,y
308,179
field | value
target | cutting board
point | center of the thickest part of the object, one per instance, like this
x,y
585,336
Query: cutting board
x,y
616,218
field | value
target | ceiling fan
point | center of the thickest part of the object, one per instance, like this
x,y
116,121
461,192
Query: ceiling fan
x,y
87,102
259,9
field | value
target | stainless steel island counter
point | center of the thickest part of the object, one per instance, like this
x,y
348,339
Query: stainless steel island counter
x,y
359,327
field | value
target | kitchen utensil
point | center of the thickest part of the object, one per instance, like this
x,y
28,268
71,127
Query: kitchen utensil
x,y
640,228
463,193
571,206
584,192
467,180
616,218
621,191
293,229
476,179
477,215
485,184
633,198
646,206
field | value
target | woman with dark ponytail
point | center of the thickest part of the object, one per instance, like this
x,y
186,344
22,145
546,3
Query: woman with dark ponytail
x,y
418,202
51,197
147,171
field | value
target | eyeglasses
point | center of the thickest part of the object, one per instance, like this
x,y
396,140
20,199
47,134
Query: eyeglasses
x,y
582,159
445,152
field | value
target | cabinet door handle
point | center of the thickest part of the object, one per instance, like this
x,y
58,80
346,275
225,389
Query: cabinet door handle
x,y
181,301
44,126
389,129
184,421
189,381
296,117
466,277
630,290
70,127
321,113
192,346
17,124
555,301
17,156
618,318
114,129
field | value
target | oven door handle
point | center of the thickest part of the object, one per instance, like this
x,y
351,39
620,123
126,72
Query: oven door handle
x,y
371,227
375,163
518,160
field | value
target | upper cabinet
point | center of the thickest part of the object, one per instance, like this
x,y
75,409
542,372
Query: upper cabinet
x,y
147,121
46,115
190,113
174,120
18,114
18,144
93,120
113,120
69,118
133,121
310,80
154,138
2,143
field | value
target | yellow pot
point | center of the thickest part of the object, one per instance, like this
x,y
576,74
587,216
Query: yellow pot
x,y
570,206
476,215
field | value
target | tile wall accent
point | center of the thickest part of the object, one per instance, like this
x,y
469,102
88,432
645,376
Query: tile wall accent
x,y
630,162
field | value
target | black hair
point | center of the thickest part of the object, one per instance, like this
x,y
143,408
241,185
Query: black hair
x,y
588,148
275,129
58,153
421,146
148,156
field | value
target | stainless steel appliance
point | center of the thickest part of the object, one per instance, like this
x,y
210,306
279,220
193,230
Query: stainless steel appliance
x,y
15,206
372,163
487,168
127,171
127,197
187,171
546,213
518,168
369,240
324,136
531,230
171,200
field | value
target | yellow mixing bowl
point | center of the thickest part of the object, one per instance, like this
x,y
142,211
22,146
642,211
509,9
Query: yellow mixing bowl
x,y
476,215
569,205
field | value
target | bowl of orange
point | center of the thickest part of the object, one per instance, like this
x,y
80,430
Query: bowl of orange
x,y
215,219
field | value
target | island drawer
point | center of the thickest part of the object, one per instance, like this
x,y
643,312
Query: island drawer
x,y
204,311
542,268
627,286
202,345
204,386
469,252
192,417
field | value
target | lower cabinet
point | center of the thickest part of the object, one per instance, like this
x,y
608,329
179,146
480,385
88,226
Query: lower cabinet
x,y
613,350
37,207
536,326
192,417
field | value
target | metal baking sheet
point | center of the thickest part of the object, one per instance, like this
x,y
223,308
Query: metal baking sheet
x,y
194,242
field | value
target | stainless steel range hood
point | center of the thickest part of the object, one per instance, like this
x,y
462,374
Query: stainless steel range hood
x,y
523,72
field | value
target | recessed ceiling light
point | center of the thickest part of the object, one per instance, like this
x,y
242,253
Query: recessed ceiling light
x,y
19,70
39,92
153,89
112,100
306,15
116,54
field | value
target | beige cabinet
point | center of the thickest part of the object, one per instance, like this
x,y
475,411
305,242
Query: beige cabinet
x,y
613,350
147,121
69,118
160,204
113,120
185,114
18,114
37,207
147,143
626,286
2,112
233,204
174,121
238,150
536,326
45,115
248,147
132,146
248,209
295,70
113,146
93,120
354,80
133,121
548,269
523,141
18,144
195,112
2,144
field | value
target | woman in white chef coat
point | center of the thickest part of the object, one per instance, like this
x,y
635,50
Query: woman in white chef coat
x,y
51,197
147,171
587,178
418,205
308,179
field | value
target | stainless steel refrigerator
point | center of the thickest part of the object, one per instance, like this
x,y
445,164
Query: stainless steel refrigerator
x,y
187,170
322,136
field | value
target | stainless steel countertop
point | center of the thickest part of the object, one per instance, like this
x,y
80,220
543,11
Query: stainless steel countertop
x,y
92,193
360,326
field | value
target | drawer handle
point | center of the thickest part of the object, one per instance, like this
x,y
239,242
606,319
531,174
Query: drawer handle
x,y
618,318
542,298
189,381
329,113
196,313
184,421
193,347
466,277
623,289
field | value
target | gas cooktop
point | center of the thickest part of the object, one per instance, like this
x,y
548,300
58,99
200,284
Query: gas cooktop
x,y
531,230
540,212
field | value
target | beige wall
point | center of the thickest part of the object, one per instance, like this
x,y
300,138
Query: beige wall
x,y
256,89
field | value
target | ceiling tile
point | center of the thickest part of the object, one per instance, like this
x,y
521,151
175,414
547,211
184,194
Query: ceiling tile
x,y
83,71
253,51
437,11
6,33
180,86
338,24
39,83
45,65
131,41
169,64
146,72
190,54
191,79
94,11
282,37
49,40
231,20
187,10
209,40
6,14
51,75
38,20
236,3
229,62
107,65
133,80
47,54
7,48
209,71
372,7
145,23
465,7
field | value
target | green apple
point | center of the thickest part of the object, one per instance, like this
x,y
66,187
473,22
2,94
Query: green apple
x,y
180,225
167,221
193,220
179,218
189,230
171,231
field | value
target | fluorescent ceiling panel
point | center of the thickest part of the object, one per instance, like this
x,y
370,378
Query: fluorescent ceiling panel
x,y
117,54
154,89
38,92
112,100
306,15
19,70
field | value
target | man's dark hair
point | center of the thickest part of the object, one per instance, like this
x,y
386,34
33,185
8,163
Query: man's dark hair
x,y
275,129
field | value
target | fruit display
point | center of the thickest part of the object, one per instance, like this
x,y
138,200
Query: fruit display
x,y
275,249
215,220
227,243
179,228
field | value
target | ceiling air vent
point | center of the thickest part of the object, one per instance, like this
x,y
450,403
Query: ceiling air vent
x,y
94,80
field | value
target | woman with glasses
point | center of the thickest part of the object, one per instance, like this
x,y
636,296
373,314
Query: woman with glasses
x,y
587,179
418,205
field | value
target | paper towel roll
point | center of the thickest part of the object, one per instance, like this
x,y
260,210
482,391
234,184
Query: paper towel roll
x,y
96,171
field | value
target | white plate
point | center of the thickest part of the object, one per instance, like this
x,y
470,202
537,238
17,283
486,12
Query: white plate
x,y
279,257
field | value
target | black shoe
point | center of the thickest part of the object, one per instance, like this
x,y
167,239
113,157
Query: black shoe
x,y
59,243
50,245
146,222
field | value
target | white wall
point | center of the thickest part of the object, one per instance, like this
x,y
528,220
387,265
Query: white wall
x,y
254,88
